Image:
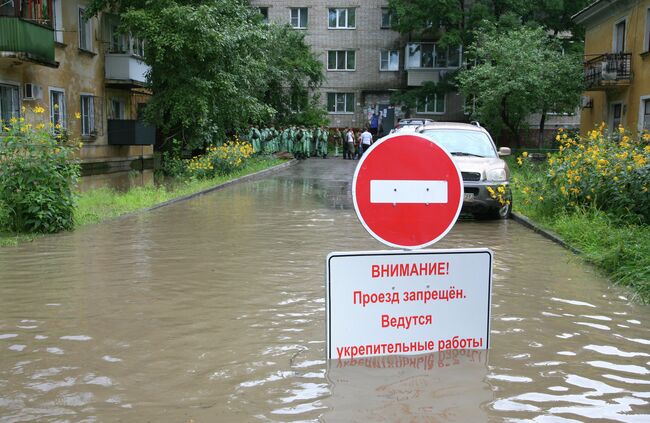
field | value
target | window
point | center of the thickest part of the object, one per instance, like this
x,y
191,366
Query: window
x,y
299,17
341,60
619,37
386,18
87,114
118,42
428,55
340,102
57,20
9,102
645,109
342,18
57,107
85,31
616,115
264,11
389,60
118,108
137,46
432,104
469,105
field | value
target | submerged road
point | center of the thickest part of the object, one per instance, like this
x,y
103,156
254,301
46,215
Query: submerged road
x,y
213,310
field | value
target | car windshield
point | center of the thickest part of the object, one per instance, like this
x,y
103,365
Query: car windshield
x,y
459,142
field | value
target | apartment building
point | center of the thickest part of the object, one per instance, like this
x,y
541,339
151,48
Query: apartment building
x,y
89,78
366,61
617,64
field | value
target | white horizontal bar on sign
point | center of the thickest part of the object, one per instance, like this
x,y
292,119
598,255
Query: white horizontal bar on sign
x,y
405,191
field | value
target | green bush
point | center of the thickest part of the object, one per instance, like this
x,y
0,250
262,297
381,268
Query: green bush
x,y
39,173
608,172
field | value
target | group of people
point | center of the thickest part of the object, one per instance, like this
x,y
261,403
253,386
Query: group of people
x,y
305,142
354,145
300,141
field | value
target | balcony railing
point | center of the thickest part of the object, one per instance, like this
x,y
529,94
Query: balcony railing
x,y
609,69
27,40
130,132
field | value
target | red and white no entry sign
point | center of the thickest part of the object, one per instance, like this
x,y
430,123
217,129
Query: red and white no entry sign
x,y
407,191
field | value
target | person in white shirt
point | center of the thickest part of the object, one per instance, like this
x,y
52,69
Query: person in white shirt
x,y
366,141
349,147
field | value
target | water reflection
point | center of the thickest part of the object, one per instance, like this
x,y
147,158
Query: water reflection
x,y
213,310
445,386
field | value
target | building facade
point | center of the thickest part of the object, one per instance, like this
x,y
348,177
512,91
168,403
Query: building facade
x,y
89,78
366,61
617,64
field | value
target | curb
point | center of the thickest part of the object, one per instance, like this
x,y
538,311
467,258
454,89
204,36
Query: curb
x,y
520,218
250,177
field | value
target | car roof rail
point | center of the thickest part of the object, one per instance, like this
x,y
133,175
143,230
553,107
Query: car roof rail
x,y
475,123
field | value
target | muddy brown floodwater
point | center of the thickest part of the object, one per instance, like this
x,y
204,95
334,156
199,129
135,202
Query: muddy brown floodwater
x,y
212,310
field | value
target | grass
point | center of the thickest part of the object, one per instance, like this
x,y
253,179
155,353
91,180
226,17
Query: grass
x,y
101,204
621,250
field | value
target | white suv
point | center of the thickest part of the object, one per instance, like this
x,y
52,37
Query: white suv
x,y
486,178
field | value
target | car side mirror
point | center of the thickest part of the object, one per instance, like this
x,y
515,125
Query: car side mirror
x,y
505,151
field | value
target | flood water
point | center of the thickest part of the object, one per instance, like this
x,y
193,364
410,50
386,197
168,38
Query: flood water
x,y
213,310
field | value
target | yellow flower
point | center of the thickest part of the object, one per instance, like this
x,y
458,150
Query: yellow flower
x,y
525,154
541,198
23,109
77,115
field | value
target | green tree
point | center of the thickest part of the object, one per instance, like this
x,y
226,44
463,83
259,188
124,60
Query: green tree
x,y
518,73
215,66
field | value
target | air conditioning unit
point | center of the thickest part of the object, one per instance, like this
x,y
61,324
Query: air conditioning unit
x,y
32,92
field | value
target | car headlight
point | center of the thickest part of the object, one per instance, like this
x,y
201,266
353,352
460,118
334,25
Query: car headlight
x,y
496,175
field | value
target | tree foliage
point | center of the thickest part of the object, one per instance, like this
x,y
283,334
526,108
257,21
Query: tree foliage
x,y
520,72
215,66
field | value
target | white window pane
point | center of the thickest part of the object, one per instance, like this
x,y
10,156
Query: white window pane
x,y
351,18
394,60
383,60
415,55
332,18
331,60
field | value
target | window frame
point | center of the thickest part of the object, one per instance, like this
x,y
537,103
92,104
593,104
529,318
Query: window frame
x,y
300,11
615,36
337,12
121,102
90,128
62,118
348,106
15,88
57,20
611,117
643,123
385,12
85,29
433,56
435,102
381,60
264,11
347,60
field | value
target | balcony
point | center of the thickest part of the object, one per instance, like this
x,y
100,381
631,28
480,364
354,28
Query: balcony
x,y
609,70
26,41
130,132
125,70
